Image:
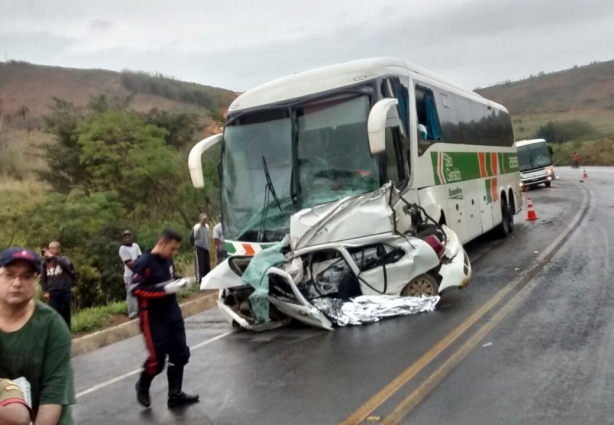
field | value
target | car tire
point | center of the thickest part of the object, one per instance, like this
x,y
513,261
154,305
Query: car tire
x,y
423,285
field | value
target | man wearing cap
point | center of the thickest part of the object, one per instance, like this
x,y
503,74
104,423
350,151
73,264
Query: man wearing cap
x,y
57,280
34,341
129,252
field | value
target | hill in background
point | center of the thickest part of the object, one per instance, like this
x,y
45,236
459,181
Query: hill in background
x,y
33,87
27,92
581,93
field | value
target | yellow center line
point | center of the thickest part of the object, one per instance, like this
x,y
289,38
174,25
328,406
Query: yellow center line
x,y
385,393
427,386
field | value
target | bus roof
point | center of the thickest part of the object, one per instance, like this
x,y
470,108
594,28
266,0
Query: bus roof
x,y
327,78
529,142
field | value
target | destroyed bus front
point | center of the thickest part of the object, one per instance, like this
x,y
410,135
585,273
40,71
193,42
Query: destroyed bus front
x,y
313,172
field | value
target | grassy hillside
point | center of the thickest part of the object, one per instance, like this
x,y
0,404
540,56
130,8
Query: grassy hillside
x,y
595,152
583,92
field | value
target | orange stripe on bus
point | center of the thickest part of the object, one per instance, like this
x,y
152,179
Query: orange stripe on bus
x,y
482,159
248,249
494,163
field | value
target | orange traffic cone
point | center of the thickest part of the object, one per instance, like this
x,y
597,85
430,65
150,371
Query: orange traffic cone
x,y
585,176
531,214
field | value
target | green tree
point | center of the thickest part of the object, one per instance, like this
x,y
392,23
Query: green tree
x,y
62,155
181,127
123,153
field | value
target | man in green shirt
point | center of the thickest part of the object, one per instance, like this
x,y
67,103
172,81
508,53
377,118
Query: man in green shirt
x,y
34,340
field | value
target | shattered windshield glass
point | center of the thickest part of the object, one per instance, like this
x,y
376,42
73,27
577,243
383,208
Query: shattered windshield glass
x,y
333,151
534,156
244,189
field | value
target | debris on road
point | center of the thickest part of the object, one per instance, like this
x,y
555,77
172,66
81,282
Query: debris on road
x,y
535,252
372,308
488,344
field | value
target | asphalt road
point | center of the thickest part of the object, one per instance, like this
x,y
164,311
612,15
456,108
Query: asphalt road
x,y
530,341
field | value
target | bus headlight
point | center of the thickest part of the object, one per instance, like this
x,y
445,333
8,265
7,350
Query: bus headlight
x,y
550,171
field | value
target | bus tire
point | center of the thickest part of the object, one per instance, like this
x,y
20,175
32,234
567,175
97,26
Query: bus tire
x,y
503,229
512,211
548,184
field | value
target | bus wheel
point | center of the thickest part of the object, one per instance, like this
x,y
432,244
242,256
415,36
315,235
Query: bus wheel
x,y
512,211
548,184
425,284
503,229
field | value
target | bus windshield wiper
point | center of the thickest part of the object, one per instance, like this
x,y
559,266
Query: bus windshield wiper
x,y
269,189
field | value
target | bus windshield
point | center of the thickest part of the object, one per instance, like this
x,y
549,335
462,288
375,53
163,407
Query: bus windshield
x,y
533,156
244,180
334,160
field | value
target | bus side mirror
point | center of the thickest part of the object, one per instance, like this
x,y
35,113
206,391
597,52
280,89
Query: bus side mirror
x,y
195,159
550,150
383,114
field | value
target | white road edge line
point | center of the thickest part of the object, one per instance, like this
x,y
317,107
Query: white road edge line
x,y
136,371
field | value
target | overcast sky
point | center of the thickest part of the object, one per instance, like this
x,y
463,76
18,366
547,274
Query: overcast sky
x,y
238,44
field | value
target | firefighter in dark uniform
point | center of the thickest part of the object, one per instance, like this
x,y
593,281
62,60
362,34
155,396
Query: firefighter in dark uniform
x,y
155,284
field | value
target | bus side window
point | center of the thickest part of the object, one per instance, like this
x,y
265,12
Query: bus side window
x,y
465,119
450,129
428,119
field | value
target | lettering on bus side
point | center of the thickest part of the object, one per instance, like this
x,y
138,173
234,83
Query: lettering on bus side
x,y
452,174
512,162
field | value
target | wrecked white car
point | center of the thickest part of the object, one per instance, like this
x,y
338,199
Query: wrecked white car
x,y
335,257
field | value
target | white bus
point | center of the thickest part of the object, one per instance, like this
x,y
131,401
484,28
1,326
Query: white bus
x,y
535,161
355,159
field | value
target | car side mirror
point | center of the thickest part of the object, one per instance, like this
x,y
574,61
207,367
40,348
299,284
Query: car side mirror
x,y
383,114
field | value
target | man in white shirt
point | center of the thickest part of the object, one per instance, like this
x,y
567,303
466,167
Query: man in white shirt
x,y
129,252
220,243
199,238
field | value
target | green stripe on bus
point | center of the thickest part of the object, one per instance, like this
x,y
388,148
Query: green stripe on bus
x,y
230,248
435,173
487,184
488,164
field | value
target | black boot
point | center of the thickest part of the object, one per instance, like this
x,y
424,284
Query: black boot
x,y
176,397
142,390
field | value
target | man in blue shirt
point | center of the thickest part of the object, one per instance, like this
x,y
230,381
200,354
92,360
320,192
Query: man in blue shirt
x,y
155,284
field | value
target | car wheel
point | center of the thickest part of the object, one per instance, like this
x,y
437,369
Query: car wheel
x,y
423,285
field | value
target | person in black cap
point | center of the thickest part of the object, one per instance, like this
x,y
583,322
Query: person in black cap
x,y
155,284
34,340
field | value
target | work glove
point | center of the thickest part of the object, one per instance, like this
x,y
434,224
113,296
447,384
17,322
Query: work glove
x,y
175,286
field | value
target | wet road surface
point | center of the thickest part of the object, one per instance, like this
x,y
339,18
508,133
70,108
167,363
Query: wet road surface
x,y
529,341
